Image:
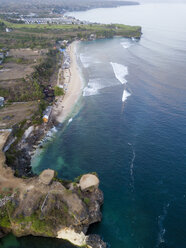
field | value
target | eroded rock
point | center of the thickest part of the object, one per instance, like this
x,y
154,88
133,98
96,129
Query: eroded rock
x,y
44,206
89,181
46,176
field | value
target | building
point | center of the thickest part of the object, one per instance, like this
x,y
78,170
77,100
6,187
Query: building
x,y
2,101
8,30
47,114
63,43
92,37
66,65
1,58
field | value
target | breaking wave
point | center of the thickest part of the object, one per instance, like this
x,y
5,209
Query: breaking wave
x,y
51,132
126,44
87,60
126,94
120,72
162,229
70,120
93,87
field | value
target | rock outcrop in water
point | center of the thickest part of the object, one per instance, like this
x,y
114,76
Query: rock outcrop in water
x,y
50,207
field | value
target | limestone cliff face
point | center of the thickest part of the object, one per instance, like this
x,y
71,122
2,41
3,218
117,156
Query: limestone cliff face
x,y
18,150
46,206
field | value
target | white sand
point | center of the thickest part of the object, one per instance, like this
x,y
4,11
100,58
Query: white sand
x,y
75,238
74,86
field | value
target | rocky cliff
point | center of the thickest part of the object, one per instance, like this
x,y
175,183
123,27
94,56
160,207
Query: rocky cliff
x,y
47,206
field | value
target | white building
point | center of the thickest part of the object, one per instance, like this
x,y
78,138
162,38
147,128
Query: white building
x,y
8,30
47,114
2,101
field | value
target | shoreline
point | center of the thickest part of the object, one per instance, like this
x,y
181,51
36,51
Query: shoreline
x,y
62,109
72,85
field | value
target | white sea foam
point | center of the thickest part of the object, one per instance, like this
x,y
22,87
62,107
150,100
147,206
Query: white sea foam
x,y
120,72
70,120
132,165
126,94
54,129
50,134
93,87
126,44
162,229
87,60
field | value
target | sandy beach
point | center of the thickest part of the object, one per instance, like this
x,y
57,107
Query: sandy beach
x,y
72,86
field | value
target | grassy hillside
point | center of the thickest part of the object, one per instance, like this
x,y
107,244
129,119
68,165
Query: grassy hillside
x,y
45,6
84,30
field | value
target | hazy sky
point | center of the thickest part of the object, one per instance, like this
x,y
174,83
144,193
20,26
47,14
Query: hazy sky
x,y
162,1
51,1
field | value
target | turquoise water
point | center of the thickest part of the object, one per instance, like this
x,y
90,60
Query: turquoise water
x,y
130,129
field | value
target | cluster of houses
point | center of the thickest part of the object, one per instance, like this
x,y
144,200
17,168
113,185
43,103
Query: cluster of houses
x,y
66,60
3,54
48,20
66,57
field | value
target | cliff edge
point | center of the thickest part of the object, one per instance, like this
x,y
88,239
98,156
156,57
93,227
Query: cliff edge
x,y
47,206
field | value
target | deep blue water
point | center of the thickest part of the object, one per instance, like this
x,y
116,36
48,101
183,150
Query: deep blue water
x,y
138,145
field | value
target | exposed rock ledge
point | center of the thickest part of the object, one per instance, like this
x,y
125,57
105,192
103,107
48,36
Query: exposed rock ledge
x,y
49,207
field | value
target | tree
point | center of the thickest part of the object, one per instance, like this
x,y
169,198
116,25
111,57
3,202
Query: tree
x,y
58,91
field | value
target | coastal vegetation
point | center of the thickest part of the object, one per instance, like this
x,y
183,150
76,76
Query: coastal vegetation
x,y
72,27
34,85
46,8
44,35
58,91
27,90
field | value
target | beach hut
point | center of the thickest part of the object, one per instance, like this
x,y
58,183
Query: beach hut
x,y
45,118
61,50
2,101
47,114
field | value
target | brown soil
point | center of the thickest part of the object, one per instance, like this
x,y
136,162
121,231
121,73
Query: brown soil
x,y
16,112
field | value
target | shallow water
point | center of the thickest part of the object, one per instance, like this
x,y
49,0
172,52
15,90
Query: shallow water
x,y
130,129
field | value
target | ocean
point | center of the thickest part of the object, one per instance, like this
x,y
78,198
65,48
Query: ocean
x,y
130,127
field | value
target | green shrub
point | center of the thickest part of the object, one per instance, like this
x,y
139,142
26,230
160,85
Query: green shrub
x,y
4,92
5,222
58,91
86,200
